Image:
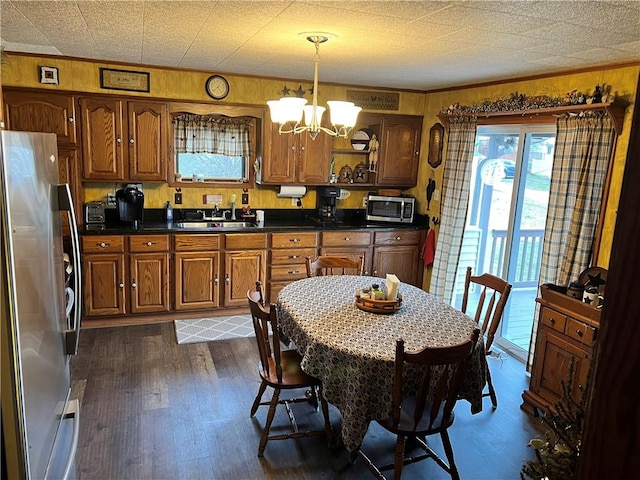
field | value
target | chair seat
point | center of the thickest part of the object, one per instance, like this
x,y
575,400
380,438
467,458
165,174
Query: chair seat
x,y
292,374
406,423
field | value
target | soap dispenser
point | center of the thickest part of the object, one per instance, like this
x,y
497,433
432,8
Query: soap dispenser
x,y
169,212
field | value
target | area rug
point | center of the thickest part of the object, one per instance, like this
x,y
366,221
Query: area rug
x,y
208,329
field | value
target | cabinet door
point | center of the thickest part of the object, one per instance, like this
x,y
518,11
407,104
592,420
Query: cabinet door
x,y
401,261
551,366
102,139
241,271
68,170
399,150
103,281
42,112
196,280
147,141
149,282
279,164
314,158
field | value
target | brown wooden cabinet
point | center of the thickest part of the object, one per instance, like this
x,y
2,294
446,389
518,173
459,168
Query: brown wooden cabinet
x,y
350,243
287,259
567,330
197,271
397,252
245,262
42,112
117,283
296,158
119,148
399,150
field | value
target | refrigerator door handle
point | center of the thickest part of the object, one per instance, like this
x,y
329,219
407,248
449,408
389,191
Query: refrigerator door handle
x,y
65,202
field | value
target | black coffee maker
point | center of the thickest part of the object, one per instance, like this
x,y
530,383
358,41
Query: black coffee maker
x,y
130,202
326,203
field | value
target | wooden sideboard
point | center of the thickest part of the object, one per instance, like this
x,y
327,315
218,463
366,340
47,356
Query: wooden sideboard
x,y
567,332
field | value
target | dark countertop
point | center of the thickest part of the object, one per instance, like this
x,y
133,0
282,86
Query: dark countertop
x,y
275,221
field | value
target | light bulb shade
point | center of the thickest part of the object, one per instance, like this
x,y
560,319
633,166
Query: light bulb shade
x,y
286,110
344,114
309,118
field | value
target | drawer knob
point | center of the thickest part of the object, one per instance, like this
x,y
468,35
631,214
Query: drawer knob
x,y
580,333
131,141
134,285
118,140
294,272
71,119
149,244
552,321
121,285
103,245
398,237
294,240
227,279
347,239
294,256
215,281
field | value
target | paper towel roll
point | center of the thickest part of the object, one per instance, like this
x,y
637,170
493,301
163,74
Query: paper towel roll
x,y
292,191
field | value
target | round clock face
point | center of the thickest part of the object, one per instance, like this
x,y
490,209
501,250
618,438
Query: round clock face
x,y
217,87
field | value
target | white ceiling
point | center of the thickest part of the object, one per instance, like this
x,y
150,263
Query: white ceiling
x,y
419,45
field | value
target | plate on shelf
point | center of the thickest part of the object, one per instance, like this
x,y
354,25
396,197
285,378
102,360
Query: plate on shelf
x,y
360,140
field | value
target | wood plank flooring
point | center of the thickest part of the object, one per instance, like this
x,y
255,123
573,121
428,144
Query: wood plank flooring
x,y
153,409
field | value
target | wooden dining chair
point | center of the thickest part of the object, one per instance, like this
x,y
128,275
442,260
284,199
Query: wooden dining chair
x,y
429,410
280,370
334,265
496,291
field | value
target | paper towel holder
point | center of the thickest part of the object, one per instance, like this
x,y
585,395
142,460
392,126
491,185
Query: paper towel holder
x,y
292,191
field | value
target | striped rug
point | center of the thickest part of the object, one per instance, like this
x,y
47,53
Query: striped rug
x,y
208,329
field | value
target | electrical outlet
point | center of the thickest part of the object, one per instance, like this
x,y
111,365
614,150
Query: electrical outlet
x,y
111,199
245,199
177,198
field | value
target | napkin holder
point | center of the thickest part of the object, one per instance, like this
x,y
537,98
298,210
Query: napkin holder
x,y
378,306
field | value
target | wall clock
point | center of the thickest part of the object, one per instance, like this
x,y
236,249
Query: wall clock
x,y
217,87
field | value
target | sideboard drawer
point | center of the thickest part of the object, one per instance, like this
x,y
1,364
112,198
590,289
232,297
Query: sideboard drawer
x,y
553,319
103,244
580,331
288,272
148,243
196,243
343,239
294,240
294,256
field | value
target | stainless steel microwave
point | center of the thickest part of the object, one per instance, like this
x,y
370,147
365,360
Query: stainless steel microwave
x,y
390,209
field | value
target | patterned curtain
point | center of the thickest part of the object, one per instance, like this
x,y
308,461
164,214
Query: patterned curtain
x,y
580,163
207,134
455,201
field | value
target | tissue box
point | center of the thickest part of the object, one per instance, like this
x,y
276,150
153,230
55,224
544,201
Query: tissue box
x,y
391,287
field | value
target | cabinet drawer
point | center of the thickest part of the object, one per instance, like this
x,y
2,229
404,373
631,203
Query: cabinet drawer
x,y
580,331
243,241
103,244
553,319
148,243
288,272
196,243
288,240
291,257
342,239
399,237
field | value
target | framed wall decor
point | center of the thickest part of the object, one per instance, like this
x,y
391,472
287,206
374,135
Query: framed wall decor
x,y
436,139
124,80
49,75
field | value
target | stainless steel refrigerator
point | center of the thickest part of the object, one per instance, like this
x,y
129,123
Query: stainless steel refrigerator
x,y
40,311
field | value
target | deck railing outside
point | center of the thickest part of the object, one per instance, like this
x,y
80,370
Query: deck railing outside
x,y
529,252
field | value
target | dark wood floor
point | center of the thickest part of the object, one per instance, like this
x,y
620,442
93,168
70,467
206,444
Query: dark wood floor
x,y
152,409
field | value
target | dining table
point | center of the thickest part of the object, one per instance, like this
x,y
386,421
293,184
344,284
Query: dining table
x,y
353,350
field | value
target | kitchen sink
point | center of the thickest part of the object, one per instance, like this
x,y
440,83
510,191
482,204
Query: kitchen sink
x,y
214,225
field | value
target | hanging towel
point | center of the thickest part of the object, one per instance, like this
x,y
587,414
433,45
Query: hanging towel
x,y
429,248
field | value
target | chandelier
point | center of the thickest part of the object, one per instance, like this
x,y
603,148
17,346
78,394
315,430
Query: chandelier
x,y
288,111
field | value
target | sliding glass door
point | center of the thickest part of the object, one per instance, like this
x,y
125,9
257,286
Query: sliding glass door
x,y
506,220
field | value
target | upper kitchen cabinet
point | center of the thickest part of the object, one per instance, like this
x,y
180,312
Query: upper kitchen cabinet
x,y
296,158
399,150
42,112
122,148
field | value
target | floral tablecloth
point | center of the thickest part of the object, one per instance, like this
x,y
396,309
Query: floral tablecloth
x,y
352,351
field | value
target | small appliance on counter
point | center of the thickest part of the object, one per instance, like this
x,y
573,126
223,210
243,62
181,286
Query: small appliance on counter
x,y
94,213
326,204
130,203
393,209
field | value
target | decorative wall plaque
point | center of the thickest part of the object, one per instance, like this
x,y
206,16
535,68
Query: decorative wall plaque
x,y
374,100
124,80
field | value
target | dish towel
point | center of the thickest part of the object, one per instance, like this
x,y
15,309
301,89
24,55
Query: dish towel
x,y
429,248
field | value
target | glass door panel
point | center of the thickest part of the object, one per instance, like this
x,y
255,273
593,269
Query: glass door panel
x,y
506,220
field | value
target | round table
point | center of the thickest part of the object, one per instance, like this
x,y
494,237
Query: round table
x,y
352,351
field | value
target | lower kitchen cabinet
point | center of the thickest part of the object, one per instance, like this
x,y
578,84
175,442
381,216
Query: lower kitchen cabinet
x,y
349,243
567,332
120,279
398,252
197,272
245,262
287,260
